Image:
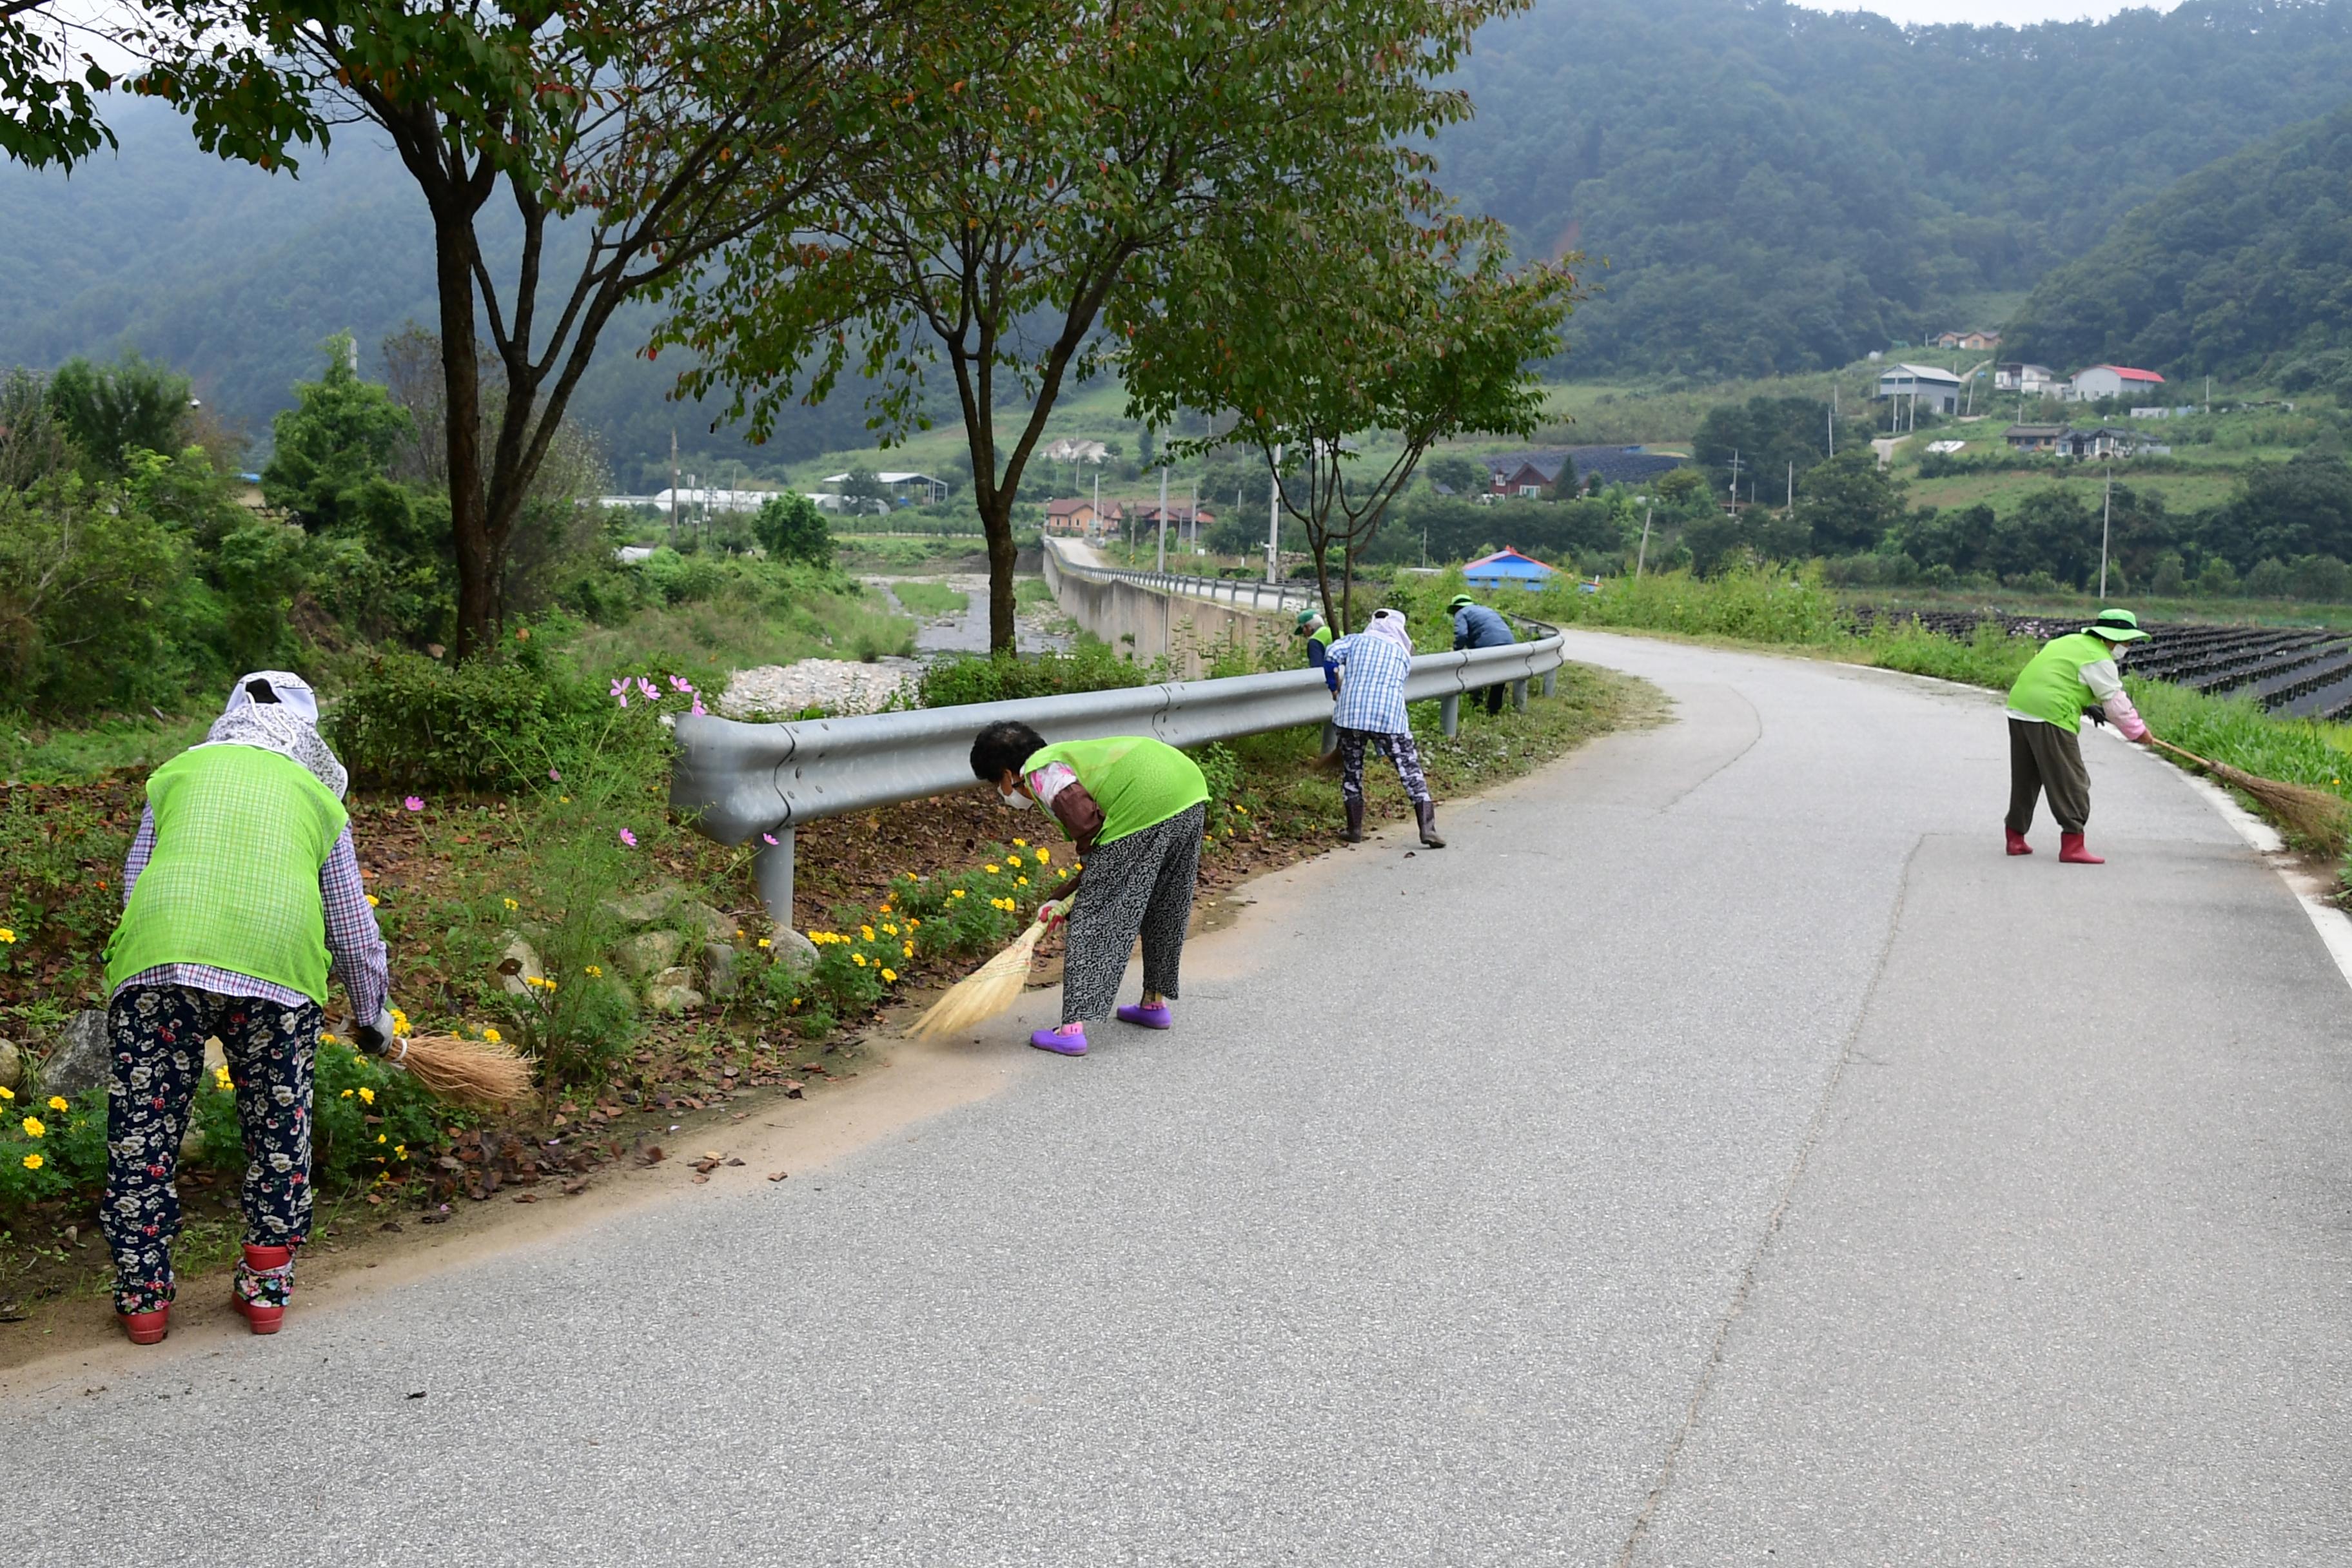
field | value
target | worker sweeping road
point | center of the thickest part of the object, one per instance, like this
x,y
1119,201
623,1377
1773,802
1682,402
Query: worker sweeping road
x,y
1136,809
1373,664
1475,625
241,889
2045,711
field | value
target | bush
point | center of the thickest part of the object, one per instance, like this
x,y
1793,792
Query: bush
x,y
46,1152
1089,667
410,722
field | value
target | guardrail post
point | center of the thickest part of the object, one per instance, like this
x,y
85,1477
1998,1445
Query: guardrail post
x,y
771,868
1519,694
1551,681
1449,714
1330,742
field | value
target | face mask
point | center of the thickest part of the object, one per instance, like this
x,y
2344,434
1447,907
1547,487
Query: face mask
x,y
1016,800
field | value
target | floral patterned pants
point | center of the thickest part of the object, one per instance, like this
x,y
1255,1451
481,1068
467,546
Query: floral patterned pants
x,y
1401,750
159,1034
1139,885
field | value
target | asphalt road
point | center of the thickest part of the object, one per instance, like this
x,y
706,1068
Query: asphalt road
x,y
1721,1155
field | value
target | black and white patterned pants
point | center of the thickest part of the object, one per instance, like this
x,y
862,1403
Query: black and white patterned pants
x,y
158,1034
1138,884
1398,748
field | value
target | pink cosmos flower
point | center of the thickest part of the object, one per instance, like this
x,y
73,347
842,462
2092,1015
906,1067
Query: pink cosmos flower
x,y
413,803
697,705
621,690
768,838
555,774
653,692
629,838
680,683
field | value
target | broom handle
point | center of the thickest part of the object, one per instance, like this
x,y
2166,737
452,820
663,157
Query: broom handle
x,y
2185,752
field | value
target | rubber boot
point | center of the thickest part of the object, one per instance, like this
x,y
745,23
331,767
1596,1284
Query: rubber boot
x,y
146,1328
263,1318
1355,831
2017,844
1427,811
2070,851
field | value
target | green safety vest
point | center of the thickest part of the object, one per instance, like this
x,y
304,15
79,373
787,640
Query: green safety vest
x,y
1318,640
1136,781
240,836
2051,687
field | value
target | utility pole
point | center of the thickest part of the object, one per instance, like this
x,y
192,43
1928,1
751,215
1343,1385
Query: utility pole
x,y
1099,527
1274,519
1640,561
673,487
1163,518
2107,518
1733,507
2209,394
1193,518
1832,415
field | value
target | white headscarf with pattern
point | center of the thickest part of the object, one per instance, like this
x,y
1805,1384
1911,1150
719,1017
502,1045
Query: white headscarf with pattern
x,y
278,712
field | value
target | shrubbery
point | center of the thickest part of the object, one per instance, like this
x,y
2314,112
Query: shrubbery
x,y
1090,667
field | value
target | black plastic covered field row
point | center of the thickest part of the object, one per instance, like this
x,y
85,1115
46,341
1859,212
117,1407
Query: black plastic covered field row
x,y
2306,674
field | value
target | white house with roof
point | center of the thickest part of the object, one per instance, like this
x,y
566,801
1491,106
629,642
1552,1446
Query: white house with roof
x,y
906,485
2110,381
1923,385
2033,380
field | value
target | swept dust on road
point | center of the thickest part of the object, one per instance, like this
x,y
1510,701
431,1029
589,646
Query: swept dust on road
x,y
1721,1149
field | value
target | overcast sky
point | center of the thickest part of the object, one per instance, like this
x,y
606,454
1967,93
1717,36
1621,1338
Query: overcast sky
x,y
2015,13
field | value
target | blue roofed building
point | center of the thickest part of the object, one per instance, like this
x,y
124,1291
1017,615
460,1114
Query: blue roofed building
x,y
1508,568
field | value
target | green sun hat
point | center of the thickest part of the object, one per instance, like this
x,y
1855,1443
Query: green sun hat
x,y
2117,626
1307,618
1459,600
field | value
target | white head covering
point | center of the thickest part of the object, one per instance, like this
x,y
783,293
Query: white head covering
x,y
1390,624
278,712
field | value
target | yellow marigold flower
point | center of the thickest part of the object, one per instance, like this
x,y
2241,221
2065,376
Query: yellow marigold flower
x,y
594,972
1013,859
400,1151
57,1102
889,931
510,903
858,958
1021,881
907,950
374,901
1241,810
1063,873
378,1137
492,1035
1020,844
32,1128
6,935
958,893
368,1095
993,869
32,1161
1044,856
866,931
764,942
220,1077
8,1093
890,975
347,1094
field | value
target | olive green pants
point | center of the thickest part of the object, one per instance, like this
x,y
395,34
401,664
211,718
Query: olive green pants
x,y
2044,759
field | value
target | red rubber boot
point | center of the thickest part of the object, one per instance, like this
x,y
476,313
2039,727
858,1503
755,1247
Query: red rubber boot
x,y
278,1261
146,1328
2017,844
2072,852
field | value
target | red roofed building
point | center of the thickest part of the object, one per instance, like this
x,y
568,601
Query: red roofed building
x,y
2110,381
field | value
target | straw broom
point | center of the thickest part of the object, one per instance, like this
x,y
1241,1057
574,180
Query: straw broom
x,y
988,990
2308,813
463,1071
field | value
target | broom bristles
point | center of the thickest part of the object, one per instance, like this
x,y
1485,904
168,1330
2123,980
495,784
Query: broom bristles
x,y
463,1071
2308,813
983,994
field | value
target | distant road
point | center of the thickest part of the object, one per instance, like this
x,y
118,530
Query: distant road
x,y
1721,1155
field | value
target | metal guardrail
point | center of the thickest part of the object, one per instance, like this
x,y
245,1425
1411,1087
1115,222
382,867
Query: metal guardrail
x,y
1222,590
744,781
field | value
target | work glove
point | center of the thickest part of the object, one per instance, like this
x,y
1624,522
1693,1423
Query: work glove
x,y
2098,715
376,1037
1054,913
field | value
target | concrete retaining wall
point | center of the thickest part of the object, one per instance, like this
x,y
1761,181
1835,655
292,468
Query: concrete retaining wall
x,y
1187,632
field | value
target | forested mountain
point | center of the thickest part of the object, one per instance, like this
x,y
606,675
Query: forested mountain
x,y
2242,268
1777,188
236,275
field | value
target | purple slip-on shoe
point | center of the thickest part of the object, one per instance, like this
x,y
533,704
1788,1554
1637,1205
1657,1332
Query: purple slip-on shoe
x,y
1148,1017
1061,1045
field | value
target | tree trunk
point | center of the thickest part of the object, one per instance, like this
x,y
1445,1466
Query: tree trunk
x,y
996,523
469,531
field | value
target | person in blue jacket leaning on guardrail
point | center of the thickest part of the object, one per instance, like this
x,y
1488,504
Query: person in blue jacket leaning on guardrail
x,y
1135,808
1475,625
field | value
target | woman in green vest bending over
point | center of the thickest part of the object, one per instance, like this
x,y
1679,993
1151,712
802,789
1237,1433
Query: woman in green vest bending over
x,y
241,888
2045,711
1135,808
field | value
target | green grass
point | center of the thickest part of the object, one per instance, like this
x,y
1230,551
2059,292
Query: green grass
x,y
930,599
31,754
2005,492
741,628
1030,591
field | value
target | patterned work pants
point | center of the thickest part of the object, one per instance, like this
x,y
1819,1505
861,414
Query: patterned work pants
x,y
1141,884
1398,748
159,1034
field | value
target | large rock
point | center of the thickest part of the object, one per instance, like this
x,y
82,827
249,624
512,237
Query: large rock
x,y
527,966
649,952
702,920
11,1065
664,995
644,909
719,963
792,950
79,1061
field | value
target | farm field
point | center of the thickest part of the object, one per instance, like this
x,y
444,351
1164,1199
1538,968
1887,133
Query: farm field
x,y
2004,492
